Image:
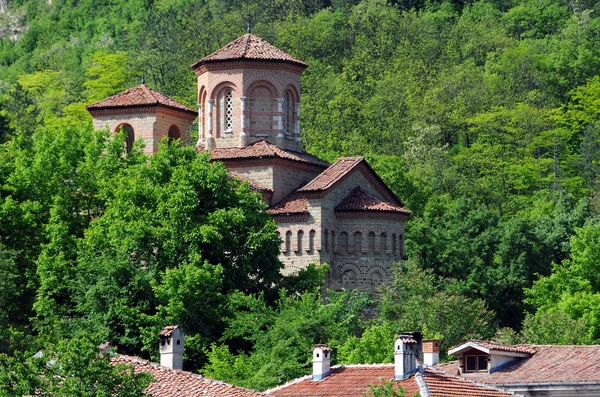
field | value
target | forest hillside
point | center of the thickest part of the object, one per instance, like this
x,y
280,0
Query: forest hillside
x,y
482,116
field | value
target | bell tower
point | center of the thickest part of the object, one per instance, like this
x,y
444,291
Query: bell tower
x,y
249,91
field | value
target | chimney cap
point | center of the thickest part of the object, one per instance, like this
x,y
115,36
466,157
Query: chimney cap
x,y
406,338
168,330
322,346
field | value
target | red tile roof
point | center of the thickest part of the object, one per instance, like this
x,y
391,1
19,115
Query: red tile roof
x,y
141,95
355,380
249,47
175,383
550,364
529,349
293,203
333,174
263,149
361,200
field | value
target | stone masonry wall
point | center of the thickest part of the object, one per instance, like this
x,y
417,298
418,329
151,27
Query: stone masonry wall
x,y
285,180
359,249
144,126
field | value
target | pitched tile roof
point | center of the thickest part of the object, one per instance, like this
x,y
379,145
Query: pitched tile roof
x,y
507,348
550,364
141,95
355,380
263,149
333,174
249,47
175,383
293,203
361,200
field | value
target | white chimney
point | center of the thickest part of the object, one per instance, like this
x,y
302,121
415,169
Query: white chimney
x,y
406,350
431,352
321,362
171,347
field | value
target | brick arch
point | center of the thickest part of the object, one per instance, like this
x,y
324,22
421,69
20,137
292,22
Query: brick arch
x,y
201,94
222,86
259,88
262,75
291,88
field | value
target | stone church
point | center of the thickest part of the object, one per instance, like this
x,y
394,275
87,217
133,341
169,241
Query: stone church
x,y
249,118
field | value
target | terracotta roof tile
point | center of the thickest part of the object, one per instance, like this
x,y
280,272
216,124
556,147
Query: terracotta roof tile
x,y
361,200
550,363
175,383
264,149
355,380
506,348
141,95
249,47
293,203
331,175
168,330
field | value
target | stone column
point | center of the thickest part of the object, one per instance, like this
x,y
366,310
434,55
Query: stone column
x,y
243,114
297,123
209,115
278,118
210,139
200,129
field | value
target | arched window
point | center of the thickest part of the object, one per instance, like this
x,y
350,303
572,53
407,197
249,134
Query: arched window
x,y
394,243
300,237
228,113
289,107
326,239
174,133
129,136
344,242
311,241
383,242
288,242
357,243
371,239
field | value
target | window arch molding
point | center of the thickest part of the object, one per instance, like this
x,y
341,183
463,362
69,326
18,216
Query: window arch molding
x,y
290,100
224,107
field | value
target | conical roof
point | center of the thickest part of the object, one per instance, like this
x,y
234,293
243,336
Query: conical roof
x,y
141,95
249,47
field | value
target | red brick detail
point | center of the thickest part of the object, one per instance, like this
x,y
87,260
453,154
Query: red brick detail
x,y
355,381
174,383
431,346
360,200
371,215
139,96
283,218
262,65
249,47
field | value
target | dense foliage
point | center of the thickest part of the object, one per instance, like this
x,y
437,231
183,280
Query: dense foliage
x,y
483,116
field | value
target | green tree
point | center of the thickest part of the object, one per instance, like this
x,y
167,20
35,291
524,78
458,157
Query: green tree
x,y
72,368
